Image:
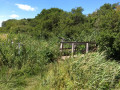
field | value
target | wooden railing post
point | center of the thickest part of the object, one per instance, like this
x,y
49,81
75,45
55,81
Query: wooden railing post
x,y
72,49
74,44
61,47
18,48
87,47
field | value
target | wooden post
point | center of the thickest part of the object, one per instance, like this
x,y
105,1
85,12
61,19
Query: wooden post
x,y
87,47
61,47
72,49
19,48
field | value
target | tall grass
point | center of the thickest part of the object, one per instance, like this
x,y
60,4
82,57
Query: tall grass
x,y
22,56
91,72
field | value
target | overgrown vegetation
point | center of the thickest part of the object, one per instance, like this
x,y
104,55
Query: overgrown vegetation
x,y
29,46
22,56
90,72
102,26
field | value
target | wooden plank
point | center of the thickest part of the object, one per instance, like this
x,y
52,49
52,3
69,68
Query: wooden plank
x,y
64,48
79,42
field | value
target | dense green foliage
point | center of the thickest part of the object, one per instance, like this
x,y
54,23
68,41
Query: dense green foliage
x,y
29,46
109,26
102,26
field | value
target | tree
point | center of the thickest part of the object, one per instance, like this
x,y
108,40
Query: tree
x,y
108,39
77,15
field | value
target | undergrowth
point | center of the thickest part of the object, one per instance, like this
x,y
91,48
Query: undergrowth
x,y
22,56
91,72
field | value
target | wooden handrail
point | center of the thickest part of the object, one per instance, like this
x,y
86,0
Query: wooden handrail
x,y
73,43
79,42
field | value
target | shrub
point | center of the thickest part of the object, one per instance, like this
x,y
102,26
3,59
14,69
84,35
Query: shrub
x,y
109,42
26,51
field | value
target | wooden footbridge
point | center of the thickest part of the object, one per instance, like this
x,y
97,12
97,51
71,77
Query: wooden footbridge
x,y
75,44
